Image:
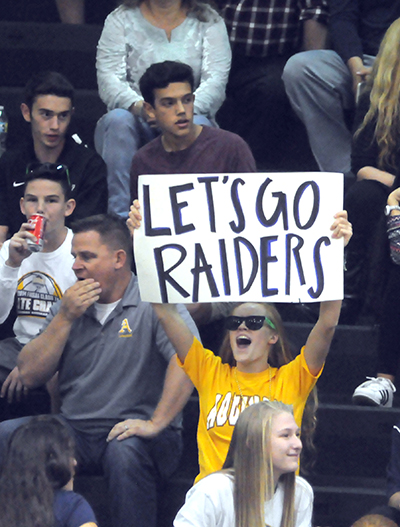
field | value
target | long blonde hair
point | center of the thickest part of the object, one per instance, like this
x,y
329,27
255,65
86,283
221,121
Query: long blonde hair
x,y
385,97
280,354
249,460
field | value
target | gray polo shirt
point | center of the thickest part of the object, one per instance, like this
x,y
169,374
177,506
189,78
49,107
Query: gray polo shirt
x,y
115,371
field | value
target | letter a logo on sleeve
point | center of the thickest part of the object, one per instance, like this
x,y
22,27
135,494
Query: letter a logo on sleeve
x,y
125,330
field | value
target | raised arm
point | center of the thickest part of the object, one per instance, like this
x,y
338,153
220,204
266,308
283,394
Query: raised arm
x,y
11,257
320,338
38,360
174,326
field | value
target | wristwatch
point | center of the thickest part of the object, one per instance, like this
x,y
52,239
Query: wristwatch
x,y
389,208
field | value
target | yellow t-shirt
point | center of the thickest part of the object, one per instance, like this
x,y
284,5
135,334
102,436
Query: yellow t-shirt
x,y
221,388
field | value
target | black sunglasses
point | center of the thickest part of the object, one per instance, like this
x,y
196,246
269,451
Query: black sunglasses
x,y
253,322
58,172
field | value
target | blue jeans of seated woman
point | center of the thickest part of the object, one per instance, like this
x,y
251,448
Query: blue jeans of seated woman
x,y
118,136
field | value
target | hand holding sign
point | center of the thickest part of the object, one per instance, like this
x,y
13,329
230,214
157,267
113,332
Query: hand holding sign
x,y
341,227
135,218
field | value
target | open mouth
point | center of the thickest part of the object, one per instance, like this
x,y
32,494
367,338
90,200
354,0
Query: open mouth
x,y
242,341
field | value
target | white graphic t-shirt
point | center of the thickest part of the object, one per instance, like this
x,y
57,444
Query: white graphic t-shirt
x,y
36,285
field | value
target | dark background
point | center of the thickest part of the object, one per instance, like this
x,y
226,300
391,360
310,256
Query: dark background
x,y
46,11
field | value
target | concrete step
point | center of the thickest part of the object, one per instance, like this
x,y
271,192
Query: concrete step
x,y
354,441
45,10
31,47
341,506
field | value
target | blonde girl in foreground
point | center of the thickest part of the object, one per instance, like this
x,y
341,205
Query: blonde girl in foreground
x,y
257,485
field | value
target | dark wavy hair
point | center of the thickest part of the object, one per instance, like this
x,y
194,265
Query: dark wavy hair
x,y
199,10
47,83
161,74
38,462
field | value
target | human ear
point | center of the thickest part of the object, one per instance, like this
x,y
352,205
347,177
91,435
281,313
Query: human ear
x,y
69,207
26,113
22,206
149,110
120,258
273,339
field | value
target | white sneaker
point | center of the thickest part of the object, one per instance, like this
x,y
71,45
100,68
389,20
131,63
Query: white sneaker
x,y
375,392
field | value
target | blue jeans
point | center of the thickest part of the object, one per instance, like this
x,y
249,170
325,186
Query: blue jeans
x,y
319,86
118,136
132,468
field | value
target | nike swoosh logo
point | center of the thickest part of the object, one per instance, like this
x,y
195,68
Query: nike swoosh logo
x,y
18,184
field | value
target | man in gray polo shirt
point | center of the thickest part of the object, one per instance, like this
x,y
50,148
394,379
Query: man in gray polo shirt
x,y
120,386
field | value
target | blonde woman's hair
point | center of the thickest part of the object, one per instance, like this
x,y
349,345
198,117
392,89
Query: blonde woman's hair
x,y
249,460
280,354
385,97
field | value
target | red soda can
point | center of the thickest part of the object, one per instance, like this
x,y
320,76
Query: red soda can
x,y
37,224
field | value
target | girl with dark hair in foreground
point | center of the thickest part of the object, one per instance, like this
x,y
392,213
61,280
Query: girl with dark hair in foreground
x,y
36,479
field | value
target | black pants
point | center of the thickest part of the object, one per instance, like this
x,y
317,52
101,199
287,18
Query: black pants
x,y
365,203
257,107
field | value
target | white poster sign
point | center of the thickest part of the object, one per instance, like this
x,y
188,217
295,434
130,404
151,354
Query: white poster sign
x,y
239,237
